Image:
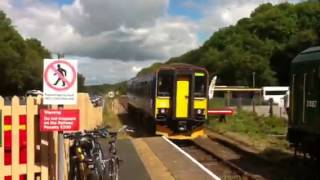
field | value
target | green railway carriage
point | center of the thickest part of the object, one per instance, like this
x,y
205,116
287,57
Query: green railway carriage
x,y
171,101
304,119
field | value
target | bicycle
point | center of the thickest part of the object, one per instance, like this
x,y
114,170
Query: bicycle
x,y
113,161
86,155
87,159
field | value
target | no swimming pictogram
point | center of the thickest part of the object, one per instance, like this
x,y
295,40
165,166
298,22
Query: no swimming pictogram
x,y
60,75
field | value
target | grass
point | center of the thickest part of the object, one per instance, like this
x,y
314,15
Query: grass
x,y
109,117
217,103
259,131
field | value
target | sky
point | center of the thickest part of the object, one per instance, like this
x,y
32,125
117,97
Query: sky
x,y
114,39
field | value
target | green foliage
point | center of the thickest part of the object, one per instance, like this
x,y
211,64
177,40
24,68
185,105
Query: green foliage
x,y
264,43
121,87
81,79
21,61
251,124
152,68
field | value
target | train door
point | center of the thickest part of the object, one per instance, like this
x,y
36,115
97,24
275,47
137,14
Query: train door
x,y
298,98
182,96
311,97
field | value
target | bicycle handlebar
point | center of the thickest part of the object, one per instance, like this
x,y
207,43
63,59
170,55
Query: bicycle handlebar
x,y
102,132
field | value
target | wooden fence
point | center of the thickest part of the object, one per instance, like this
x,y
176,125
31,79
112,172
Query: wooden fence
x,y
26,153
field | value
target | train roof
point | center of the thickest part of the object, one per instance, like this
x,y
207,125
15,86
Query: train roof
x,y
173,66
310,54
181,66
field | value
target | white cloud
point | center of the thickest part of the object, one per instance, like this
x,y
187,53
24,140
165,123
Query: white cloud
x,y
106,29
109,70
136,69
221,13
164,39
4,4
97,16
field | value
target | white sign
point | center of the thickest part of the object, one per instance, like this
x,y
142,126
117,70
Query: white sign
x,y
211,87
111,94
60,81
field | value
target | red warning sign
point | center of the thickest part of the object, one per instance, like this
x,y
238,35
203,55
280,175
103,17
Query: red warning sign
x,y
59,120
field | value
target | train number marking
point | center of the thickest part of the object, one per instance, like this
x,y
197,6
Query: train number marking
x,y
311,103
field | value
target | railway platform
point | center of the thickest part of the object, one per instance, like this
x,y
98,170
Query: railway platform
x,y
156,158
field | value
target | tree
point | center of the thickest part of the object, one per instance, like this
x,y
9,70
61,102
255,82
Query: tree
x,y
264,43
20,60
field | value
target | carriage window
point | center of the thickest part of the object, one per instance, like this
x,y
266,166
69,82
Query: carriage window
x,y
200,86
165,82
276,92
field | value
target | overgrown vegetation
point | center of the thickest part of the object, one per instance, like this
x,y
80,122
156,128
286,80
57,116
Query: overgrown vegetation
x,y
264,43
121,87
109,117
259,131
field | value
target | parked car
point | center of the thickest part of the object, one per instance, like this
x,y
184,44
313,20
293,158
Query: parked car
x,y
96,100
34,93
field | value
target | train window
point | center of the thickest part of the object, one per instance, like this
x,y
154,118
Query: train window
x,y
311,81
165,84
200,86
276,92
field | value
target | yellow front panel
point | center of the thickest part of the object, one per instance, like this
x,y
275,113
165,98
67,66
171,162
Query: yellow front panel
x,y
201,104
182,98
162,102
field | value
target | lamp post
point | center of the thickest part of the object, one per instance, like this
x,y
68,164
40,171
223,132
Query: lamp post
x,y
253,79
253,97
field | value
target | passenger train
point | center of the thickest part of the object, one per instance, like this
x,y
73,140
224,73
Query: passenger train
x,y
171,101
304,116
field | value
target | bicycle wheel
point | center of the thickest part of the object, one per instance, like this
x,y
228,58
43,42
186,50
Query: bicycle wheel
x,y
94,176
99,161
74,173
113,169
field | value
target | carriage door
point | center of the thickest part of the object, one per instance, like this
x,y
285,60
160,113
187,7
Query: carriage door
x,y
182,96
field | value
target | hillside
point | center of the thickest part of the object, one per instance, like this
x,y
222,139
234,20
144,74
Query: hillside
x,y
264,43
104,88
21,61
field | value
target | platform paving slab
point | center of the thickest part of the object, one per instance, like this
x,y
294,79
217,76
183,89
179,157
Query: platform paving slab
x,y
179,165
131,167
152,163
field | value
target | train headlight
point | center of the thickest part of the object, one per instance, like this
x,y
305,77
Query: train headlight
x,y
162,111
199,111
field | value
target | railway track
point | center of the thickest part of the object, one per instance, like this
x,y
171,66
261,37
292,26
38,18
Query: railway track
x,y
225,162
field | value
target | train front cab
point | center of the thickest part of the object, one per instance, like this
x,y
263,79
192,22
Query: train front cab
x,y
181,103
304,124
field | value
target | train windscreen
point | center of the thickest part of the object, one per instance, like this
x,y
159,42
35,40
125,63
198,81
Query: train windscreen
x,y
165,83
200,86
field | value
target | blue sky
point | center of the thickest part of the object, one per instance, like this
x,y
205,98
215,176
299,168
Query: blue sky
x,y
187,8
61,2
